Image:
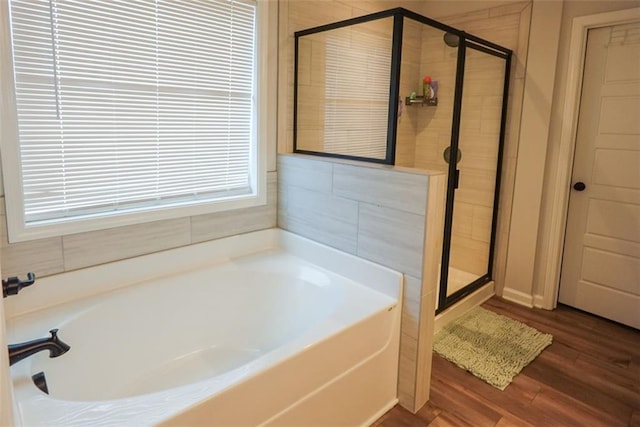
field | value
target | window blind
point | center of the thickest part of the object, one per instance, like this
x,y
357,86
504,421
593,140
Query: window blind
x,y
125,105
358,74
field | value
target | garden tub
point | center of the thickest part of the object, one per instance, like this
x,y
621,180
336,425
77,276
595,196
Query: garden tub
x,y
266,328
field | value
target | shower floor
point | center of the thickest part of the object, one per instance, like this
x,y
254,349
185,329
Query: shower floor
x,y
458,279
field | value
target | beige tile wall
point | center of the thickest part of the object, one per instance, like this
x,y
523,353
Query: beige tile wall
x,y
383,214
479,139
58,254
409,82
507,26
311,92
312,83
434,123
424,132
298,15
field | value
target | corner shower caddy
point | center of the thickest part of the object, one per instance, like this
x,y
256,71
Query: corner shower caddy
x,y
421,100
453,38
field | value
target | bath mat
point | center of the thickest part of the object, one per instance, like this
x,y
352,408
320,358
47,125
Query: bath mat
x,y
492,347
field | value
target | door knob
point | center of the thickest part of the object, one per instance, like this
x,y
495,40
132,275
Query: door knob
x,y
579,186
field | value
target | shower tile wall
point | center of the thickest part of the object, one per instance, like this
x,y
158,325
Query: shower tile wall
x,y
433,133
298,15
311,88
507,26
377,213
410,81
343,83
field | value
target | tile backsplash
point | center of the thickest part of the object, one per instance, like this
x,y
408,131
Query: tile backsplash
x,y
53,255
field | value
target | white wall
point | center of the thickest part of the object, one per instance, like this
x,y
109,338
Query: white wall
x,y
532,147
571,10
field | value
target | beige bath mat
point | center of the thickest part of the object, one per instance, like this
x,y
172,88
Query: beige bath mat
x,y
492,347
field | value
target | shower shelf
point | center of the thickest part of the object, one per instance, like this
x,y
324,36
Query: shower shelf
x,y
421,100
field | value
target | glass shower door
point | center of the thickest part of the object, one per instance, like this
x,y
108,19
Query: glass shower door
x,y
472,228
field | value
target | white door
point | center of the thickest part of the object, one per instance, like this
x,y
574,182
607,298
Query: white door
x,y
601,262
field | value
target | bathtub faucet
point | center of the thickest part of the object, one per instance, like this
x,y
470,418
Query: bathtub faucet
x,y
12,285
56,347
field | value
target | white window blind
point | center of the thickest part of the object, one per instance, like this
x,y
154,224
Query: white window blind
x,y
358,75
132,104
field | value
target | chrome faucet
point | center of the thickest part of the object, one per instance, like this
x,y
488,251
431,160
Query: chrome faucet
x,y
56,347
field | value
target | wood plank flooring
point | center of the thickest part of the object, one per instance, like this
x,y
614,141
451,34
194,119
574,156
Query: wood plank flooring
x,y
589,376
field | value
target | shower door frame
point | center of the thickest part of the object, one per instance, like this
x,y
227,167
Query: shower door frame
x,y
466,41
394,82
445,301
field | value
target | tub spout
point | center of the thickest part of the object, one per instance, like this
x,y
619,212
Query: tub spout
x,y
56,347
12,285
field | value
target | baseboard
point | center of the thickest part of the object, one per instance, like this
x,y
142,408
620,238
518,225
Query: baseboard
x,y
517,297
538,301
381,412
464,305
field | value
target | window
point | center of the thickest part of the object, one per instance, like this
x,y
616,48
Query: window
x,y
130,111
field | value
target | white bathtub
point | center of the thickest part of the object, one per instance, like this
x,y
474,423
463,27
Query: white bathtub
x,y
266,328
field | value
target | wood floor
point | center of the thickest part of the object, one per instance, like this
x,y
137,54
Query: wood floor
x,y
589,376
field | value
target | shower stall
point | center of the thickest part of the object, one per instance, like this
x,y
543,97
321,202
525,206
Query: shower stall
x,y
395,87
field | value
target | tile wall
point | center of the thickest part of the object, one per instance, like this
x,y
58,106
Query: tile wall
x,y
299,15
479,131
424,132
383,214
343,84
507,26
410,81
59,254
